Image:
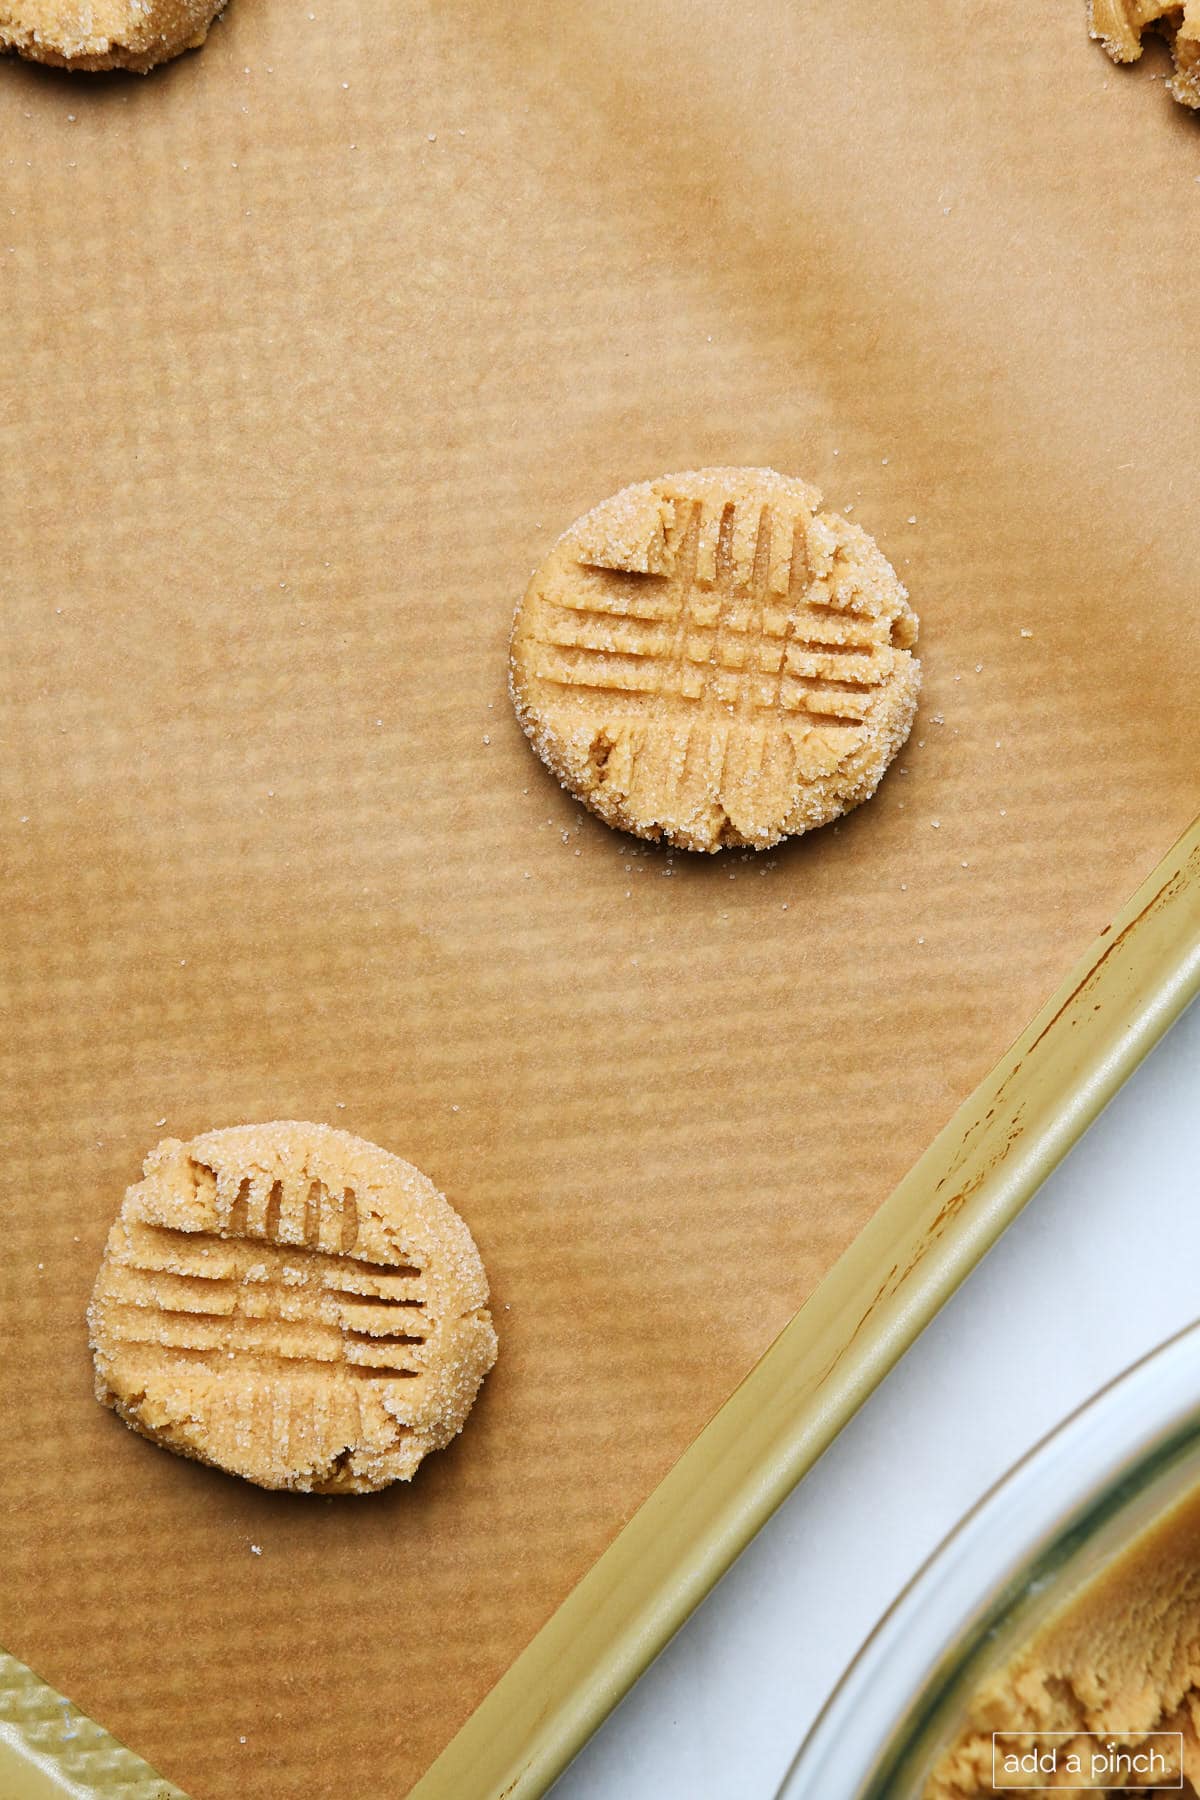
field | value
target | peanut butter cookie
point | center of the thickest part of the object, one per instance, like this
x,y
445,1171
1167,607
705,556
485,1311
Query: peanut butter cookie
x,y
105,34
292,1304
707,659
1119,25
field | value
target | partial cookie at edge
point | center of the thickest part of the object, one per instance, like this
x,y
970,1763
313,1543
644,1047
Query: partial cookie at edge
x,y
1119,25
105,34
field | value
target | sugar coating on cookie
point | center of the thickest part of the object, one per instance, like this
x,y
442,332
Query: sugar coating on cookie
x,y
105,34
709,660
293,1304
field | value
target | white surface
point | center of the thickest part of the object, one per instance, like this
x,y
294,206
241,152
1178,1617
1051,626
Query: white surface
x,y
1103,1264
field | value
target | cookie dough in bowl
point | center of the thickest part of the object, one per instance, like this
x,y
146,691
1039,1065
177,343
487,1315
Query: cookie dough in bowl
x,y
708,660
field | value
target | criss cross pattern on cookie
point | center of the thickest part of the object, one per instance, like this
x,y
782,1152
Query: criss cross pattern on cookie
x,y
700,656
729,625
275,1284
292,1304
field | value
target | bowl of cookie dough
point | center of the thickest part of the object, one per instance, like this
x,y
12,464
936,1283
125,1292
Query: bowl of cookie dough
x,y
1052,1642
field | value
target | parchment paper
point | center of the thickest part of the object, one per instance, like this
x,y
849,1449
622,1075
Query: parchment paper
x,y
314,340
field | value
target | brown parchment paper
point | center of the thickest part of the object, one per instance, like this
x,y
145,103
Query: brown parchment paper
x,y
313,341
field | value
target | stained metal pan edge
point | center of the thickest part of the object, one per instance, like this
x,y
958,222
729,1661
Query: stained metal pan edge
x,y
975,1177
49,1750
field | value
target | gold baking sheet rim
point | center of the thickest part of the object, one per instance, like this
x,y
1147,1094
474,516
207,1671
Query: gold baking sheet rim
x,y
978,1173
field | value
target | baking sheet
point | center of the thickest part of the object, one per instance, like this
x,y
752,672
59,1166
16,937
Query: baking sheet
x,y
314,341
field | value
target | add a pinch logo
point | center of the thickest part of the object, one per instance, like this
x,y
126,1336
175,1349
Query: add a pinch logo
x,y
1076,1761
